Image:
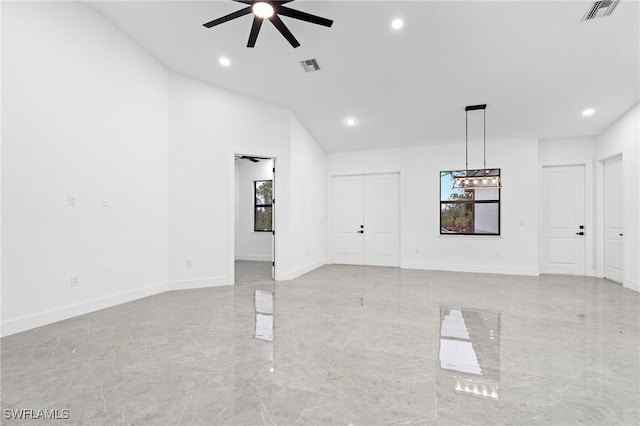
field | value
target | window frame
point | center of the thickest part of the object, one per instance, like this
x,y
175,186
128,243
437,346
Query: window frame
x,y
256,206
473,202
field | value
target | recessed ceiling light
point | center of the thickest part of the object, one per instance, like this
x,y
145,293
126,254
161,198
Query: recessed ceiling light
x,y
263,9
224,61
587,112
350,121
397,23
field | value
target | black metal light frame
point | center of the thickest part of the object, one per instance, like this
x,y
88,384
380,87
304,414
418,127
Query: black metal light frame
x,y
477,179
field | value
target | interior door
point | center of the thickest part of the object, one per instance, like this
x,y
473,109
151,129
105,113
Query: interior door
x,y
563,243
613,219
365,220
273,219
348,223
380,233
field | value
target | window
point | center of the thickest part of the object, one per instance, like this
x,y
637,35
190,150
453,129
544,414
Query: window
x,y
263,205
468,211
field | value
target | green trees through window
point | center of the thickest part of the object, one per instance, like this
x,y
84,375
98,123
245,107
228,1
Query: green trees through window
x,y
263,206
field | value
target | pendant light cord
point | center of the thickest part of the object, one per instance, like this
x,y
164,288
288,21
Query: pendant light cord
x,y
466,141
466,135
484,141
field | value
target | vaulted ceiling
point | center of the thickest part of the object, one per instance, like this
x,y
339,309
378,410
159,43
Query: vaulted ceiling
x,y
535,64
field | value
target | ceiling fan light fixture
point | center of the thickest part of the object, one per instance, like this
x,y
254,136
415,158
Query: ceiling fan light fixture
x,y
224,61
271,10
262,9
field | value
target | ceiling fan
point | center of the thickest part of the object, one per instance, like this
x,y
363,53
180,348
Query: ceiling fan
x,y
270,10
251,158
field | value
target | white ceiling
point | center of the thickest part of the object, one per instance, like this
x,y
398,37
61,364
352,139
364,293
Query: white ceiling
x,y
534,63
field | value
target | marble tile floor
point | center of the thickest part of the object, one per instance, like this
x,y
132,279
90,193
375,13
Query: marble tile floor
x,y
342,345
251,271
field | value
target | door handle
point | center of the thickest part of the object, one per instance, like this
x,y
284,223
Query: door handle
x,y
620,235
580,233
361,232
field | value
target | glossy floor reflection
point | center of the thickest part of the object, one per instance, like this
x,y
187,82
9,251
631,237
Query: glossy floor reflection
x,y
343,345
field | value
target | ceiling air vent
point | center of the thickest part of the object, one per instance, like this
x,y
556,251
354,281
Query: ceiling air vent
x,y
310,65
600,9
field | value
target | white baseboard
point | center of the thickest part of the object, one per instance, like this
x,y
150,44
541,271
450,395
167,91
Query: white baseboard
x,y
28,322
632,285
255,257
290,275
199,283
480,269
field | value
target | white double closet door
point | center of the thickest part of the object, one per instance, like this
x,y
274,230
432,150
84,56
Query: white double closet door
x,y
365,220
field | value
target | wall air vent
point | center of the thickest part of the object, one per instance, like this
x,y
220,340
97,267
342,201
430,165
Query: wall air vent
x,y
600,9
310,65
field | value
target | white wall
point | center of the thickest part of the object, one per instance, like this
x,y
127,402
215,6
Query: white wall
x,y
308,224
575,151
422,246
251,245
1,133
623,137
84,112
570,151
207,126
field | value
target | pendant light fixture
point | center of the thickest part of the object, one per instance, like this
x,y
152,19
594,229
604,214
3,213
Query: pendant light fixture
x,y
478,178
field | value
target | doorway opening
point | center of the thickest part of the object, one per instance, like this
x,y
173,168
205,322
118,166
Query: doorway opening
x,y
254,224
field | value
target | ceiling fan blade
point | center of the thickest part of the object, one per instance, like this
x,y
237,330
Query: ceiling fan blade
x,y
277,22
252,158
244,1
234,15
303,16
255,29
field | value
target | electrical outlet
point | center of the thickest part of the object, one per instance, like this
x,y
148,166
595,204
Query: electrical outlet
x,y
71,200
497,254
105,202
189,263
75,281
